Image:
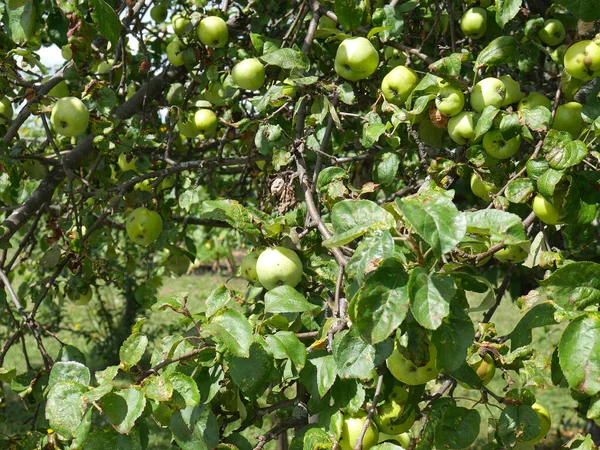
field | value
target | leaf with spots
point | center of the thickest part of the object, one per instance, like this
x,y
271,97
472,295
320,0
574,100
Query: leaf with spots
x,y
574,286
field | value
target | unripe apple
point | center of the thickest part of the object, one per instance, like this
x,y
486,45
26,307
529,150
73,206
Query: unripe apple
x,y
248,267
485,368
403,439
288,90
175,94
278,265
394,57
249,74
405,370
582,60
104,67
489,91
534,99
498,147
482,189
213,32
391,410
545,423
450,101
546,211
513,90
70,117
60,90
187,126
66,52
552,33
568,118
158,13
461,127
474,23
558,54
6,109
512,254
356,59
398,84
175,52
143,226
180,24
351,429
206,121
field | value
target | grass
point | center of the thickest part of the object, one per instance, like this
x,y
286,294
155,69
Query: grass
x,y
14,411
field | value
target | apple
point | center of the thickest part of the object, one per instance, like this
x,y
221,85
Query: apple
x,y
213,32
34,169
206,121
70,117
485,368
552,33
66,52
582,60
248,267
180,24
568,118
80,297
175,52
534,99
356,59
403,439
104,67
175,94
473,246
143,226
351,429
60,90
391,411
450,101
511,253
394,57
405,370
178,263
489,91
498,147
545,423
187,126
482,189
398,84
474,23
249,74
513,90
158,13
288,90
278,265
461,127
6,109
546,211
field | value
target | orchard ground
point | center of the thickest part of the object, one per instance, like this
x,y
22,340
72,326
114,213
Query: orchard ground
x,y
85,335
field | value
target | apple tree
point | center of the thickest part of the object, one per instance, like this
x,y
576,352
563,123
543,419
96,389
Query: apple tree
x,y
394,171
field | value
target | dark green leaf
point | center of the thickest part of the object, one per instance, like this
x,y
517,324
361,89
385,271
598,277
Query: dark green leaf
x,y
122,408
458,428
251,374
586,10
354,357
369,255
287,58
286,299
195,428
430,296
501,50
539,316
234,330
107,21
506,10
574,286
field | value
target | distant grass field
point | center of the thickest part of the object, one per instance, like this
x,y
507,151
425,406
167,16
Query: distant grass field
x,y
14,411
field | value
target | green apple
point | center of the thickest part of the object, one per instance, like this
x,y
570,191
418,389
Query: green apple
x,y
187,126
356,59
66,52
568,118
143,226
215,94
351,429
159,13
450,101
278,265
175,94
6,109
70,117
489,91
213,32
249,74
34,169
403,439
405,370
582,60
485,368
474,23
206,121
80,297
513,90
545,423
60,90
498,147
546,211
104,67
534,99
175,52
482,189
288,90
473,246
394,57
512,254
178,263
391,411
180,24
398,84
461,127
248,267
126,164
552,33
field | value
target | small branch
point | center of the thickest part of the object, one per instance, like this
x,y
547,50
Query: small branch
x,y
361,436
154,370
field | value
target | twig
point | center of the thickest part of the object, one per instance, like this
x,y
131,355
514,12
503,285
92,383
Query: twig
x,y
361,436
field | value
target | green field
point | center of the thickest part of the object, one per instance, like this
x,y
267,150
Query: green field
x,y
158,324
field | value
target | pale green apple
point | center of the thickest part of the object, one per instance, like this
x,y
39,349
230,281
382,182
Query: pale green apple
x,y
553,32
66,52
474,23
513,90
450,101
351,429
403,439
582,60
206,121
34,169
143,226
180,24
546,211
489,91
178,263
213,32
6,109
484,367
405,370
159,13
498,147
390,412
278,266
356,59
482,189
394,57
60,90
534,99
512,254
249,74
545,423
568,118
461,127
70,117
175,52
175,94
398,84
248,267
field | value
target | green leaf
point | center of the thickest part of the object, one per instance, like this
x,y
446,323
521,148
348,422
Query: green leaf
x,y
319,374
381,304
352,14
519,190
563,156
176,302
158,388
500,226
458,428
430,295
549,181
353,218
452,339
506,10
20,22
287,59
539,316
285,345
7,374
133,349
586,10
66,407
537,118
251,374
579,353
449,65
353,356
209,380
311,438
185,389
69,371
371,134
218,298
518,421
233,213
386,168
234,330
123,408
391,19
195,428
107,438
107,21
369,254
435,218
501,50
286,299
485,121
574,286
